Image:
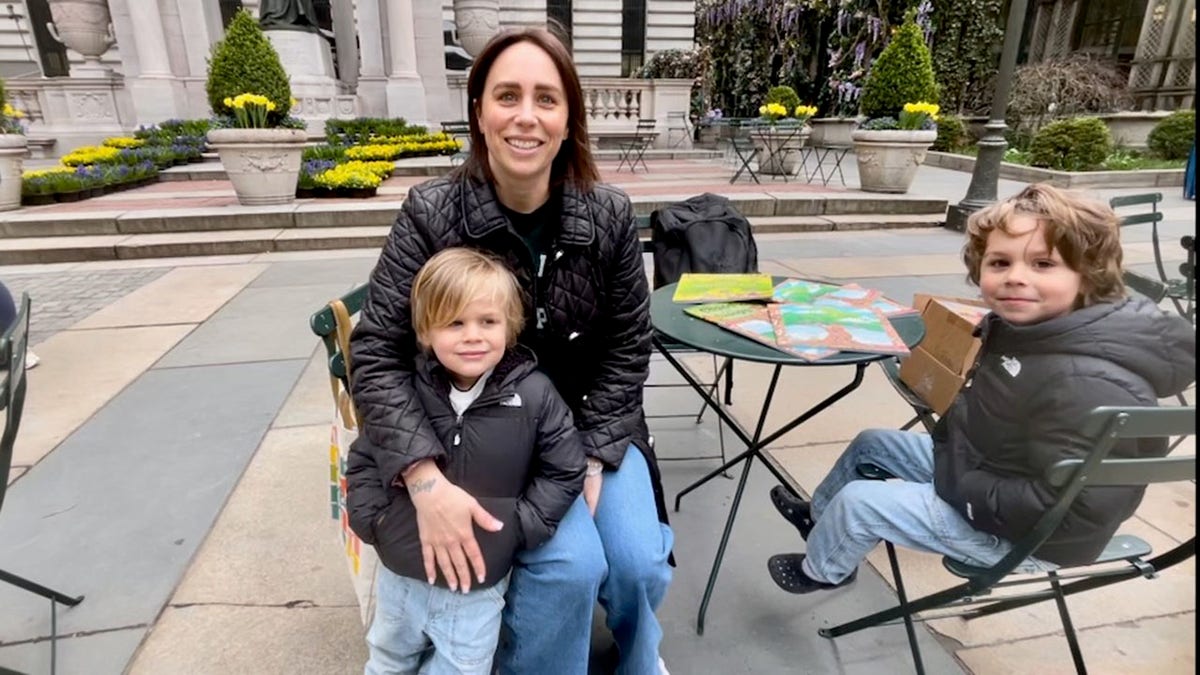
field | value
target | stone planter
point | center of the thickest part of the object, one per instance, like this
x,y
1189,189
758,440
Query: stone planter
x,y
13,148
888,159
84,26
263,164
1131,129
832,130
477,21
779,149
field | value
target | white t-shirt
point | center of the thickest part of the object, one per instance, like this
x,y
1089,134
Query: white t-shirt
x,y
461,400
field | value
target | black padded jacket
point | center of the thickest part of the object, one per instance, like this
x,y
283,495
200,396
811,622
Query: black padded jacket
x,y
1023,409
587,306
514,449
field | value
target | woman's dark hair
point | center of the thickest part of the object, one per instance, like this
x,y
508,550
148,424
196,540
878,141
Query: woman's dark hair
x,y
574,162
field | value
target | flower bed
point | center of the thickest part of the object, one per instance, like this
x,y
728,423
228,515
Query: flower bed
x,y
334,170
73,183
352,179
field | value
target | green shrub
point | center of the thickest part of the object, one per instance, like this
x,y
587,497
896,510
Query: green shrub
x,y
361,129
952,134
1075,144
245,62
903,73
785,96
1174,135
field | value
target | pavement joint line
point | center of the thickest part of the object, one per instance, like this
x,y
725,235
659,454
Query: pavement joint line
x,y
77,634
1125,623
290,604
229,363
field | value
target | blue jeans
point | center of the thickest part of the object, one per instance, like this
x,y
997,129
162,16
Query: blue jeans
x,y
852,514
423,628
620,557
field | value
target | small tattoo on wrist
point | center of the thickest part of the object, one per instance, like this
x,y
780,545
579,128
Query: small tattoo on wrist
x,y
422,485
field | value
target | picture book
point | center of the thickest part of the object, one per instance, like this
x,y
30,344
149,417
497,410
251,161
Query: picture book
x,y
722,287
835,326
801,291
754,322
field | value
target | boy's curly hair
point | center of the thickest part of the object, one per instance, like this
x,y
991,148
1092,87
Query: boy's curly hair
x,y
1084,231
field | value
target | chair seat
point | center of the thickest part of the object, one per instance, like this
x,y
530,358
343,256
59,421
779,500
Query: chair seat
x,y
1120,547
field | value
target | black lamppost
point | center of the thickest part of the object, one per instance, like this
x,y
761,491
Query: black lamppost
x,y
986,176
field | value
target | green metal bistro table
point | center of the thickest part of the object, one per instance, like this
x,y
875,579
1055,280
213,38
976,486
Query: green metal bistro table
x,y
671,322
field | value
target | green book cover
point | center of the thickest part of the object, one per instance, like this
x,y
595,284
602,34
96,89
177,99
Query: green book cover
x,y
723,287
752,321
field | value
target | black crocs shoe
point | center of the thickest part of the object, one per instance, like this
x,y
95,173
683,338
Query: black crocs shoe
x,y
797,511
787,573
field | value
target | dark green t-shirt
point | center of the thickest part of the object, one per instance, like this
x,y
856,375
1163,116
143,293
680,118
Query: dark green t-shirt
x,y
537,228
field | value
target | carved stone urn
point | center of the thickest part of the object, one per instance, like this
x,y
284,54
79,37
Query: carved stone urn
x,y
262,164
888,158
86,27
477,22
13,148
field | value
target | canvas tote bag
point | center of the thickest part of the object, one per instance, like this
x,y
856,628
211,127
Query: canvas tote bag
x,y
360,558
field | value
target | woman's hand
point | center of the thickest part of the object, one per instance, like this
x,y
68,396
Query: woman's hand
x,y
592,483
445,513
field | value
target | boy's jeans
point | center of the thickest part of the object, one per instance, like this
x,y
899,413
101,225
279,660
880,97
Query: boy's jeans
x,y
620,557
852,514
433,630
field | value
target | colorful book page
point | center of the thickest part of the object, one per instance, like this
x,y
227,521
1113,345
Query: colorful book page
x,y
722,287
800,291
835,326
889,308
754,322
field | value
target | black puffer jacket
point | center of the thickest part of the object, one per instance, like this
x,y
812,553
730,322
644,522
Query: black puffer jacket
x,y
515,450
592,290
1023,411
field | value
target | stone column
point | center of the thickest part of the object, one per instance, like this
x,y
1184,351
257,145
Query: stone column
x,y
155,90
431,62
405,91
344,38
372,79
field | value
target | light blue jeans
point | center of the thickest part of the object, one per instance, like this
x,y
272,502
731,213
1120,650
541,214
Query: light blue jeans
x,y
619,557
423,628
853,514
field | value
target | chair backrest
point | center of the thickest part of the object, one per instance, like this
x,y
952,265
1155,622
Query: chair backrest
x,y
324,324
13,345
1106,426
1151,216
705,233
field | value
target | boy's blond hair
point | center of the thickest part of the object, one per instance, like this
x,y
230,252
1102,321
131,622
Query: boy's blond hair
x,y
1084,231
454,278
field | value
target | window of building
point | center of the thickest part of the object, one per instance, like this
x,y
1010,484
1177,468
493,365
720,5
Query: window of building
x,y
633,35
1110,27
51,54
559,12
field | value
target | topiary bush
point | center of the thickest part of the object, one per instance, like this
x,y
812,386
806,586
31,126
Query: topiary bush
x,y
1075,144
903,73
1174,135
785,96
245,62
952,134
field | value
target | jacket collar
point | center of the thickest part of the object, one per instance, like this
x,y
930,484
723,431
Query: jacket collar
x,y
517,362
482,214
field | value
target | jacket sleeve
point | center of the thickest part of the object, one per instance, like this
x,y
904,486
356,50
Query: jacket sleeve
x,y
557,477
612,408
383,347
366,492
1009,506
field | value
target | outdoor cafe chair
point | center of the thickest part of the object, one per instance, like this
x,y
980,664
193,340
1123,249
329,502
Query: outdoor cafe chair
x,y
744,150
678,123
459,130
1180,290
633,151
14,345
1125,557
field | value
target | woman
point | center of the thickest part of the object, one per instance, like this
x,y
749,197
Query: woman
x,y
528,193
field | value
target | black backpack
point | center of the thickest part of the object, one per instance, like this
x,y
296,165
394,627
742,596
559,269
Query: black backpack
x,y
702,234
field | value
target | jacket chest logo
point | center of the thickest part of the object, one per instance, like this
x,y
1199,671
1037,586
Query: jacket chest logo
x,y
1011,364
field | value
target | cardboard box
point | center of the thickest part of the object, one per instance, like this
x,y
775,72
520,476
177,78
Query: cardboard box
x,y
937,367
936,384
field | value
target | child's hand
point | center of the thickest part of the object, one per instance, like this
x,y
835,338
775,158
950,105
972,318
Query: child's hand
x,y
444,516
591,491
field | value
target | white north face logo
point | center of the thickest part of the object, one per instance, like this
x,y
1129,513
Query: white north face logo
x,y
1011,364
513,401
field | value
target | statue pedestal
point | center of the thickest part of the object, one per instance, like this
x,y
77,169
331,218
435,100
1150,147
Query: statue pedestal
x,y
309,64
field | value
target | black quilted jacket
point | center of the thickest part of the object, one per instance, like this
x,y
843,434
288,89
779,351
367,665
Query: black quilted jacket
x,y
590,298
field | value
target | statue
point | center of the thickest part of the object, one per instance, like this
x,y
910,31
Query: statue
x,y
288,15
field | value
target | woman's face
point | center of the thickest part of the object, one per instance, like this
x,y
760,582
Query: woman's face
x,y
523,115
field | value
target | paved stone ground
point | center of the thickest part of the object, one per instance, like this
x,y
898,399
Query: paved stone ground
x,y
64,298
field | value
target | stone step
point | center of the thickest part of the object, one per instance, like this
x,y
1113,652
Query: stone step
x,y
117,246
854,209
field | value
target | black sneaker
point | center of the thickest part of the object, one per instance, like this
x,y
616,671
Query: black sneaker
x,y
788,573
797,511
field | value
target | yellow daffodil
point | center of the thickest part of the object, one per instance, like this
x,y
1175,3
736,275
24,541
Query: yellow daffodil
x,y
12,112
914,115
